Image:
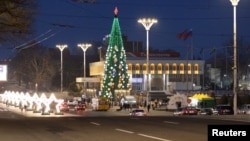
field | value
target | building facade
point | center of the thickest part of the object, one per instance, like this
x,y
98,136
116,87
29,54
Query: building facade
x,y
166,76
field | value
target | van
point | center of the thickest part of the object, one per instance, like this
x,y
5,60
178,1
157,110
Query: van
x,y
224,109
129,101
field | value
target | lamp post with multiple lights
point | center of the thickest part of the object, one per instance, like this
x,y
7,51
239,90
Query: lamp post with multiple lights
x,y
235,3
61,48
147,23
84,48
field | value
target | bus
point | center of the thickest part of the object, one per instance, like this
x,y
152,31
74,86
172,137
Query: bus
x,y
100,104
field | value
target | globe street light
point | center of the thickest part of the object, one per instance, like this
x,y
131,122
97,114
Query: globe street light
x,y
235,3
61,48
147,23
84,48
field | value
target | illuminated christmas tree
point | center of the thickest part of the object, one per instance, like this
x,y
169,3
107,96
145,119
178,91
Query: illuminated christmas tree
x,y
115,67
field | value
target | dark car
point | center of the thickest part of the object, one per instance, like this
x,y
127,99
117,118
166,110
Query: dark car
x,y
224,109
205,111
188,110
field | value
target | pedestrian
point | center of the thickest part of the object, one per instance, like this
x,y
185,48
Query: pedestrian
x,y
148,107
25,107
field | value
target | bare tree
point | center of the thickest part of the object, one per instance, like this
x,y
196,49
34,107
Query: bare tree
x,y
34,66
16,17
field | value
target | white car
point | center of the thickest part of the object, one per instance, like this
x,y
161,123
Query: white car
x,y
138,112
178,111
214,111
244,109
72,102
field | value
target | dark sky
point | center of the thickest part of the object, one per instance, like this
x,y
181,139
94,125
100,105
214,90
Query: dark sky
x,y
72,22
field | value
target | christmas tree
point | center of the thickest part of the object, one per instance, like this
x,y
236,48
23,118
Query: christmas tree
x,y
115,67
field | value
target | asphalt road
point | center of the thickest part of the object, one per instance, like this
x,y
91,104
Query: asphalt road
x,y
105,126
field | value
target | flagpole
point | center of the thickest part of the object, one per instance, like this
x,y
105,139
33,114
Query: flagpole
x,y
203,70
187,67
215,69
184,35
192,58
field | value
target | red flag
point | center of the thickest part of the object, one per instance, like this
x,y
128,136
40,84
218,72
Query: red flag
x,y
182,34
185,34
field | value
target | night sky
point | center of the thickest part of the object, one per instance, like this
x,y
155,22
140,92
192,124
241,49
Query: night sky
x,y
75,21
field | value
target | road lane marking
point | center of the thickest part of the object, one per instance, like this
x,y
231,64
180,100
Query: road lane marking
x,y
94,123
126,131
170,122
152,137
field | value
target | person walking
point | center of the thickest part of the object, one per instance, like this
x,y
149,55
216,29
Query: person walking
x,y
148,107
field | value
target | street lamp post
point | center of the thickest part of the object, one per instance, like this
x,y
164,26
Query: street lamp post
x,y
235,3
84,48
147,23
61,48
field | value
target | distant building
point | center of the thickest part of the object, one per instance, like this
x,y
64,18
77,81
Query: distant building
x,y
167,73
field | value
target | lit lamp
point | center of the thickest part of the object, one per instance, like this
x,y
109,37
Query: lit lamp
x,y
84,48
147,23
61,48
235,3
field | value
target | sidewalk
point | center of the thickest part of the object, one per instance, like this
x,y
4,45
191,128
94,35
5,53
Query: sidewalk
x,y
28,113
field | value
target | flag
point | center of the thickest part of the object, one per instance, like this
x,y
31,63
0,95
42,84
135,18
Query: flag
x,y
189,34
185,34
182,34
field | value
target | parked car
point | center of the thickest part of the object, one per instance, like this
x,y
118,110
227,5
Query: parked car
x,y
188,110
224,109
178,111
138,112
244,109
64,107
72,102
214,111
80,107
205,111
